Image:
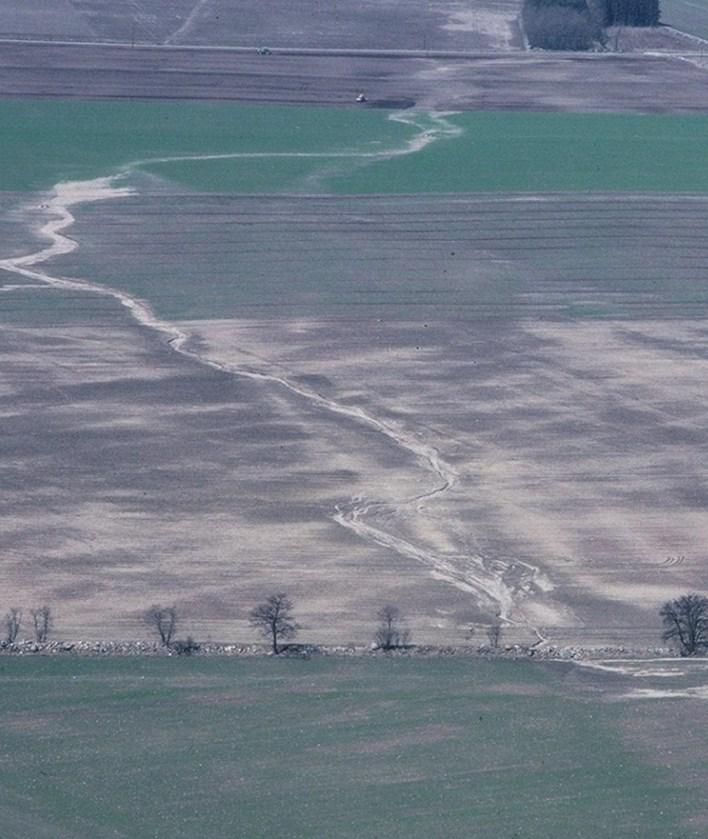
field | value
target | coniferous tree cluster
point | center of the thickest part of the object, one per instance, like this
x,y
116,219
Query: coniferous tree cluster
x,y
562,24
631,12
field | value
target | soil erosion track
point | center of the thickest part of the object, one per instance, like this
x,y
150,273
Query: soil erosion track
x,y
484,582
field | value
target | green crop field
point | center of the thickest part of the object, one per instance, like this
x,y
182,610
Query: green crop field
x,y
46,141
320,748
348,151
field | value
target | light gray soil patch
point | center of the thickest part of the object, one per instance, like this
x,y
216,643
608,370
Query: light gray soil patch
x,y
640,38
520,81
131,475
133,21
368,24
577,448
42,19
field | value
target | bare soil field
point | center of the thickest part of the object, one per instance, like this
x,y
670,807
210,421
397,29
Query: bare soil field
x,y
664,38
522,437
132,475
42,19
488,81
575,450
490,24
369,24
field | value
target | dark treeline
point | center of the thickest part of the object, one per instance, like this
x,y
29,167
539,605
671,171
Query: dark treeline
x,y
580,24
562,24
631,12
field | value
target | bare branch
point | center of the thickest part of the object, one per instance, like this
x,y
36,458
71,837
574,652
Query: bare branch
x,y
494,634
13,621
273,619
391,632
163,620
42,621
686,621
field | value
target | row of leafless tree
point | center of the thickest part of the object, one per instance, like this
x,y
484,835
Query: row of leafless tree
x,y
275,621
42,623
685,622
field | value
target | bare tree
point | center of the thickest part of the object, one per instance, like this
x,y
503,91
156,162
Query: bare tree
x,y
391,632
163,620
13,621
494,633
42,620
686,621
274,619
